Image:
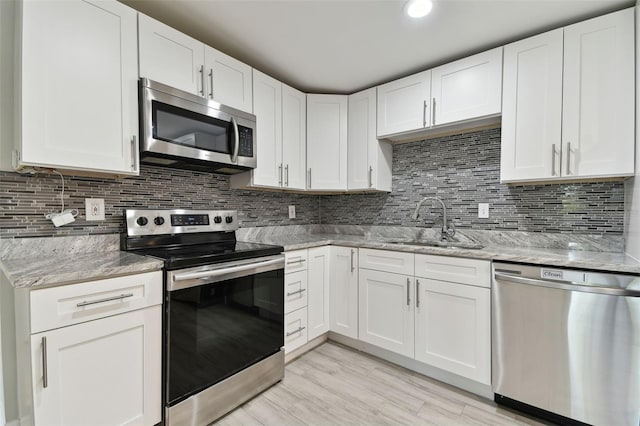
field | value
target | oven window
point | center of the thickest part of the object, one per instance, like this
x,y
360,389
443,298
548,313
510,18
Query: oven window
x,y
216,330
190,129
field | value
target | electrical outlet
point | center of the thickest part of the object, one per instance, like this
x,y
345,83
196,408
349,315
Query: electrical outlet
x,y
94,208
292,212
483,210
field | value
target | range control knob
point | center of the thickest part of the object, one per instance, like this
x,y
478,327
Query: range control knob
x,y
159,220
228,219
217,219
142,221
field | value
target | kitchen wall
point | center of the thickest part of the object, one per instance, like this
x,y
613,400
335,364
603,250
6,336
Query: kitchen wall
x,y
464,170
24,200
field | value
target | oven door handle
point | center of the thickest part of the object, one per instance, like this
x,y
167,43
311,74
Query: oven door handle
x,y
224,271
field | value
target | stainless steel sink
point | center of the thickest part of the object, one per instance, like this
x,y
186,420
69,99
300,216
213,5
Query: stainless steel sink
x,y
443,244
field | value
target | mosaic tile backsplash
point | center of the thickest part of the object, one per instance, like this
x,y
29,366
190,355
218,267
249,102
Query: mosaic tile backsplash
x,y
462,169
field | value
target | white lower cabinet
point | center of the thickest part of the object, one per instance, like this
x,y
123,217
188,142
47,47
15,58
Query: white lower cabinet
x,y
295,329
318,298
343,291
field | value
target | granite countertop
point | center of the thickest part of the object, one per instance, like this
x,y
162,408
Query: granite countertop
x,y
605,261
53,270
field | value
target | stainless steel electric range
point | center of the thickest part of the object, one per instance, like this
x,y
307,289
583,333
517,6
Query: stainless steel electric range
x,y
224,310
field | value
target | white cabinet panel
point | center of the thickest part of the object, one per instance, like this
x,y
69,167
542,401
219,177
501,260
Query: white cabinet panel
x,y
228,81
295,291
532,108
468,88
294,137
327,142
268,110
344,291
295,329
318,297
454,269
71,50
453,328
403,105
103,372
397,262
386,311
170,57
599,97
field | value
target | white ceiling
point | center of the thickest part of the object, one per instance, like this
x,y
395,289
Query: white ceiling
x,y
342,46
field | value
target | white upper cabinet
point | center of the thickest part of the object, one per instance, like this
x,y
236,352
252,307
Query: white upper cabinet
x,y
228,81
268,110
177,60
369,161
569,102
467,89
327,142
294,137
598,109
404,105
78,70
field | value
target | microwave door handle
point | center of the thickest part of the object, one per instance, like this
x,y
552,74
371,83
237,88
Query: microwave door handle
x,y
236,139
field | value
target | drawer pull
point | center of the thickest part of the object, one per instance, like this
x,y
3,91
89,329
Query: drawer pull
x,y
296,292
108,299
45,376
295,262
297,331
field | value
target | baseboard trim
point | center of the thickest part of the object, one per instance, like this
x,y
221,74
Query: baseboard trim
x,y
310,345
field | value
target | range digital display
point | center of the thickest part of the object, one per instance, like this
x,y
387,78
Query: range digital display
x,y
189,219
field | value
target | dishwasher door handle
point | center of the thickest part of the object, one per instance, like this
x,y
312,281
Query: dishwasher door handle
x,y
610,291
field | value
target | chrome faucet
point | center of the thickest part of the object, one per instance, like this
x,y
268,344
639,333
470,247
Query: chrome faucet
x,y
448,229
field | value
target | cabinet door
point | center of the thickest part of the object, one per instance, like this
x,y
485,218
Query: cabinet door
x,y
453,328
228,81
79,93
386,310
361,136
170,57
318,297
344,291
103,372
599,97
294,137
403,105
327,141
532,108
295,329
267,104
468,88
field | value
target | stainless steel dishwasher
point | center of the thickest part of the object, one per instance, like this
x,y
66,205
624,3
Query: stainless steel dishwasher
x,y
566,343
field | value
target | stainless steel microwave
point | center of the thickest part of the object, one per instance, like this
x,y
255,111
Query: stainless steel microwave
x,y
182,130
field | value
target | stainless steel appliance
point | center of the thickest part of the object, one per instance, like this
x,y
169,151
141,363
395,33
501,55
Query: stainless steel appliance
x,y
566,343
224,310
182,130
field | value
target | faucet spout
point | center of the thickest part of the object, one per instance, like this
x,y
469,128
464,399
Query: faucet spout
x,y
448,230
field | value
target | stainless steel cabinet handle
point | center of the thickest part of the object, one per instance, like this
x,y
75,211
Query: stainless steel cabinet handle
x,y
417,293
280,175
433,112
352,265
370,176
134,151
408,289
211,83
568,158
107,299
309,177
424,113
553,159
297,331
286,175
236,140
202,80
297,292
295,262
45,376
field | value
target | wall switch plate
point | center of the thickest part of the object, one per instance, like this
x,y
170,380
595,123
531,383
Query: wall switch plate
x,y
292,212
94,208
483,210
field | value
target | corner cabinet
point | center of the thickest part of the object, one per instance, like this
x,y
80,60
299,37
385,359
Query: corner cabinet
x,y
343,291
569,102
78,94
327,142
175,59
369,160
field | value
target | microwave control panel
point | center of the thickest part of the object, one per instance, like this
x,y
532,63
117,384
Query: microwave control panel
x,y
246,142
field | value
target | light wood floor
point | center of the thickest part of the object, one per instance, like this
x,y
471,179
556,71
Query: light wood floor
x,y
335,385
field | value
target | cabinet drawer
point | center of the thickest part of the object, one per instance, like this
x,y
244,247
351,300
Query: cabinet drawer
x,y
388,261
295,291
75,303
454,269
295,261
295,329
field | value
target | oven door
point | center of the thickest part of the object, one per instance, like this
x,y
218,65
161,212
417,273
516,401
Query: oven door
x,y
221,319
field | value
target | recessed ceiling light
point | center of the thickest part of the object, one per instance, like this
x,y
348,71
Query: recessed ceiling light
x,y
418,8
